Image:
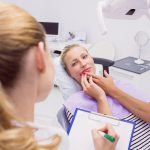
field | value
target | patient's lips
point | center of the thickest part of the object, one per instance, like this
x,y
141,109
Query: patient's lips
x,y
85,71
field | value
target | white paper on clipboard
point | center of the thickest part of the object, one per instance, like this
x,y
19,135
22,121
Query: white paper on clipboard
x,y
84,121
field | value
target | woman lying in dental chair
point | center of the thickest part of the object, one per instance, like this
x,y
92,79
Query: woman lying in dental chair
x,y
80,66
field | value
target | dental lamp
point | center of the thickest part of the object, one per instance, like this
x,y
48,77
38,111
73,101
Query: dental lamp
x,y
121,9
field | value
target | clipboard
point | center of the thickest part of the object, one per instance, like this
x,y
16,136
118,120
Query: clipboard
x,y
79,131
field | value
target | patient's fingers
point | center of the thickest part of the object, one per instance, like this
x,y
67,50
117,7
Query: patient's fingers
x,y
86,83
96,78
94,75
99,76
82,82
91,80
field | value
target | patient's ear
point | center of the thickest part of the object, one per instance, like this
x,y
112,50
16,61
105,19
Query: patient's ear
x,y
40,57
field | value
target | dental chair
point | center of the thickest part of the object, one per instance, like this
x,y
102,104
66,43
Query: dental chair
x,y
103,53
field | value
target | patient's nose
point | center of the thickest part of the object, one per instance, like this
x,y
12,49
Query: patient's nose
x,y
83,63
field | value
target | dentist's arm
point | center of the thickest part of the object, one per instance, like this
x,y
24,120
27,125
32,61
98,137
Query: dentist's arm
x,y
139,108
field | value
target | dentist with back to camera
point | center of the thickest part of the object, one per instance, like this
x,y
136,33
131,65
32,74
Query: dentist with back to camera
x,y
26,76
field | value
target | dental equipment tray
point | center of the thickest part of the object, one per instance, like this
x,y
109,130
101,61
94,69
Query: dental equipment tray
x,y
129,65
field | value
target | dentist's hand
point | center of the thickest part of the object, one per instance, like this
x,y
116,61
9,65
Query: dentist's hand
x,y
106,83
102,143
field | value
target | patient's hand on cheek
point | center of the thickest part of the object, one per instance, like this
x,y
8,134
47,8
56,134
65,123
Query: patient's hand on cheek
x,y
92,89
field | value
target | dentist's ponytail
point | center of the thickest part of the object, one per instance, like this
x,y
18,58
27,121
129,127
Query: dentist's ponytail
x,y
19,31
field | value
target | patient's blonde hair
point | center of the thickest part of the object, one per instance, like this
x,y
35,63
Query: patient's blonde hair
x,y
65,51
19,31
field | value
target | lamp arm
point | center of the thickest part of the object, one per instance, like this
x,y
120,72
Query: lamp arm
x,y
101,18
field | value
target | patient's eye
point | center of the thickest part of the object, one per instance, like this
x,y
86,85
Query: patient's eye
x,y
74,63
85,56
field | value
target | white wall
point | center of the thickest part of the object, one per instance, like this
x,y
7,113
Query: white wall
x,y
81,15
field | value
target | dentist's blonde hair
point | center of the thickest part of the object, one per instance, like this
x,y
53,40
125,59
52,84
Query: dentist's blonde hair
x,y
19,31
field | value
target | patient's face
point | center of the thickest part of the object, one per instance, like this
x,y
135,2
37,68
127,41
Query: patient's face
x,y
79,62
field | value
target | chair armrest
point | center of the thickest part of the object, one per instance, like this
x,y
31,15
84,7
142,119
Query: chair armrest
x,y
106,63
57,52
62,118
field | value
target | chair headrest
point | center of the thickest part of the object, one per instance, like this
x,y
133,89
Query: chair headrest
x,y
66,84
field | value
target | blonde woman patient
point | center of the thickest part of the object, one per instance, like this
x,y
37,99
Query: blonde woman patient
x,y
80,66
26,76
